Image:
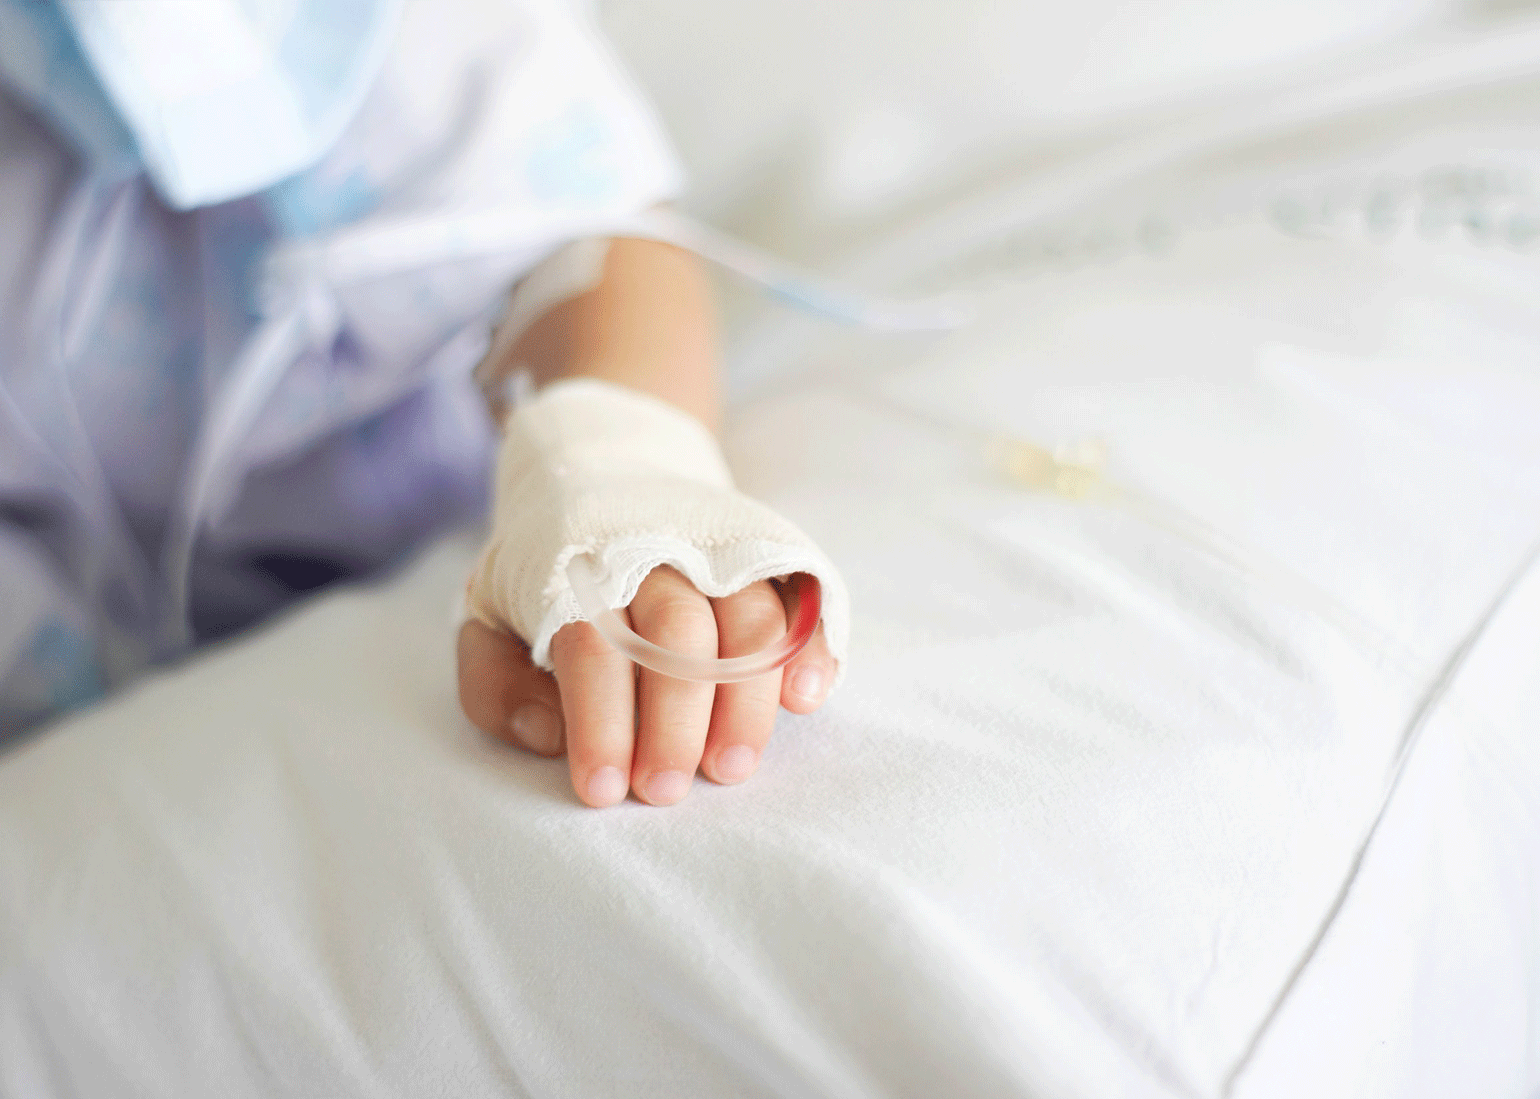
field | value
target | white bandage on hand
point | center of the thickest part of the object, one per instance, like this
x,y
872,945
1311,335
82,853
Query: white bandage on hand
x,y
591,467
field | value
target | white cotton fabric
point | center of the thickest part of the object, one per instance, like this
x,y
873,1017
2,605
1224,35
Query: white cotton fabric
x,y
588,467
1096,813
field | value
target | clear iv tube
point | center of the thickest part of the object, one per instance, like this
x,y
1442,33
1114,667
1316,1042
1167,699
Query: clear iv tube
x,y
807,600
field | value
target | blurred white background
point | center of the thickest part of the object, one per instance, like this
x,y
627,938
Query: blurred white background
x,y
857,106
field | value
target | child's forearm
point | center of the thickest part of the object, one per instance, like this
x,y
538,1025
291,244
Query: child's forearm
x,y
648,325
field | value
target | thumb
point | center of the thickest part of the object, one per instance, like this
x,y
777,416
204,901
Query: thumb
x,y
504,695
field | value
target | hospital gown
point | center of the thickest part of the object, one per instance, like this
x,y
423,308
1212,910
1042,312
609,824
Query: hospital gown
x,y
241,296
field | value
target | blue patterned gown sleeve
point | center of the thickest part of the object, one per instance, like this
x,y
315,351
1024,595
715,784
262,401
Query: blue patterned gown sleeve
x,y
233,370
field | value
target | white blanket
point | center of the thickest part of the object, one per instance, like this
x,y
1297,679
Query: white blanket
x,y
1075,826
1235,796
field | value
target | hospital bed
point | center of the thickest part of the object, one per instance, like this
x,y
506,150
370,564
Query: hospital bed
x,y
1209,771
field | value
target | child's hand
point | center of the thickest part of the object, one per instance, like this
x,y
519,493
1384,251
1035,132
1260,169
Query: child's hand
x,y
627,727
616,444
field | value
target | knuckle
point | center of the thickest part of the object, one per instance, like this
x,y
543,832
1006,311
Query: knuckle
x,y
678,619
752,616
578,642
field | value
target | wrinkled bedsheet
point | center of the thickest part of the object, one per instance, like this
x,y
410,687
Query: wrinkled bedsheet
x,y
1107,805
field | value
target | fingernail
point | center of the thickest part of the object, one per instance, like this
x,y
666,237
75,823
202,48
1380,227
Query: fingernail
x,y
666,787
736,763
606,786
807,683
537,727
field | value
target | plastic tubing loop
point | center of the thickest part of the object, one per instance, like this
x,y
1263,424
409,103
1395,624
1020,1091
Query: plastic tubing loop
x,y
809,608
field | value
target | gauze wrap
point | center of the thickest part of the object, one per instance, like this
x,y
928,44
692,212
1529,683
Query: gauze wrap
x,y
591,467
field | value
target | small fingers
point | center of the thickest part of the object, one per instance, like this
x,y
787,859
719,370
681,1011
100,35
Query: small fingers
x,y
628,727
673,714
744,715
598,691
504,694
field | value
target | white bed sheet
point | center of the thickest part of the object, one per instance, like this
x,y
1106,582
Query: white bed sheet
x,y
1095,814
839,108
1426,982
1085,820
